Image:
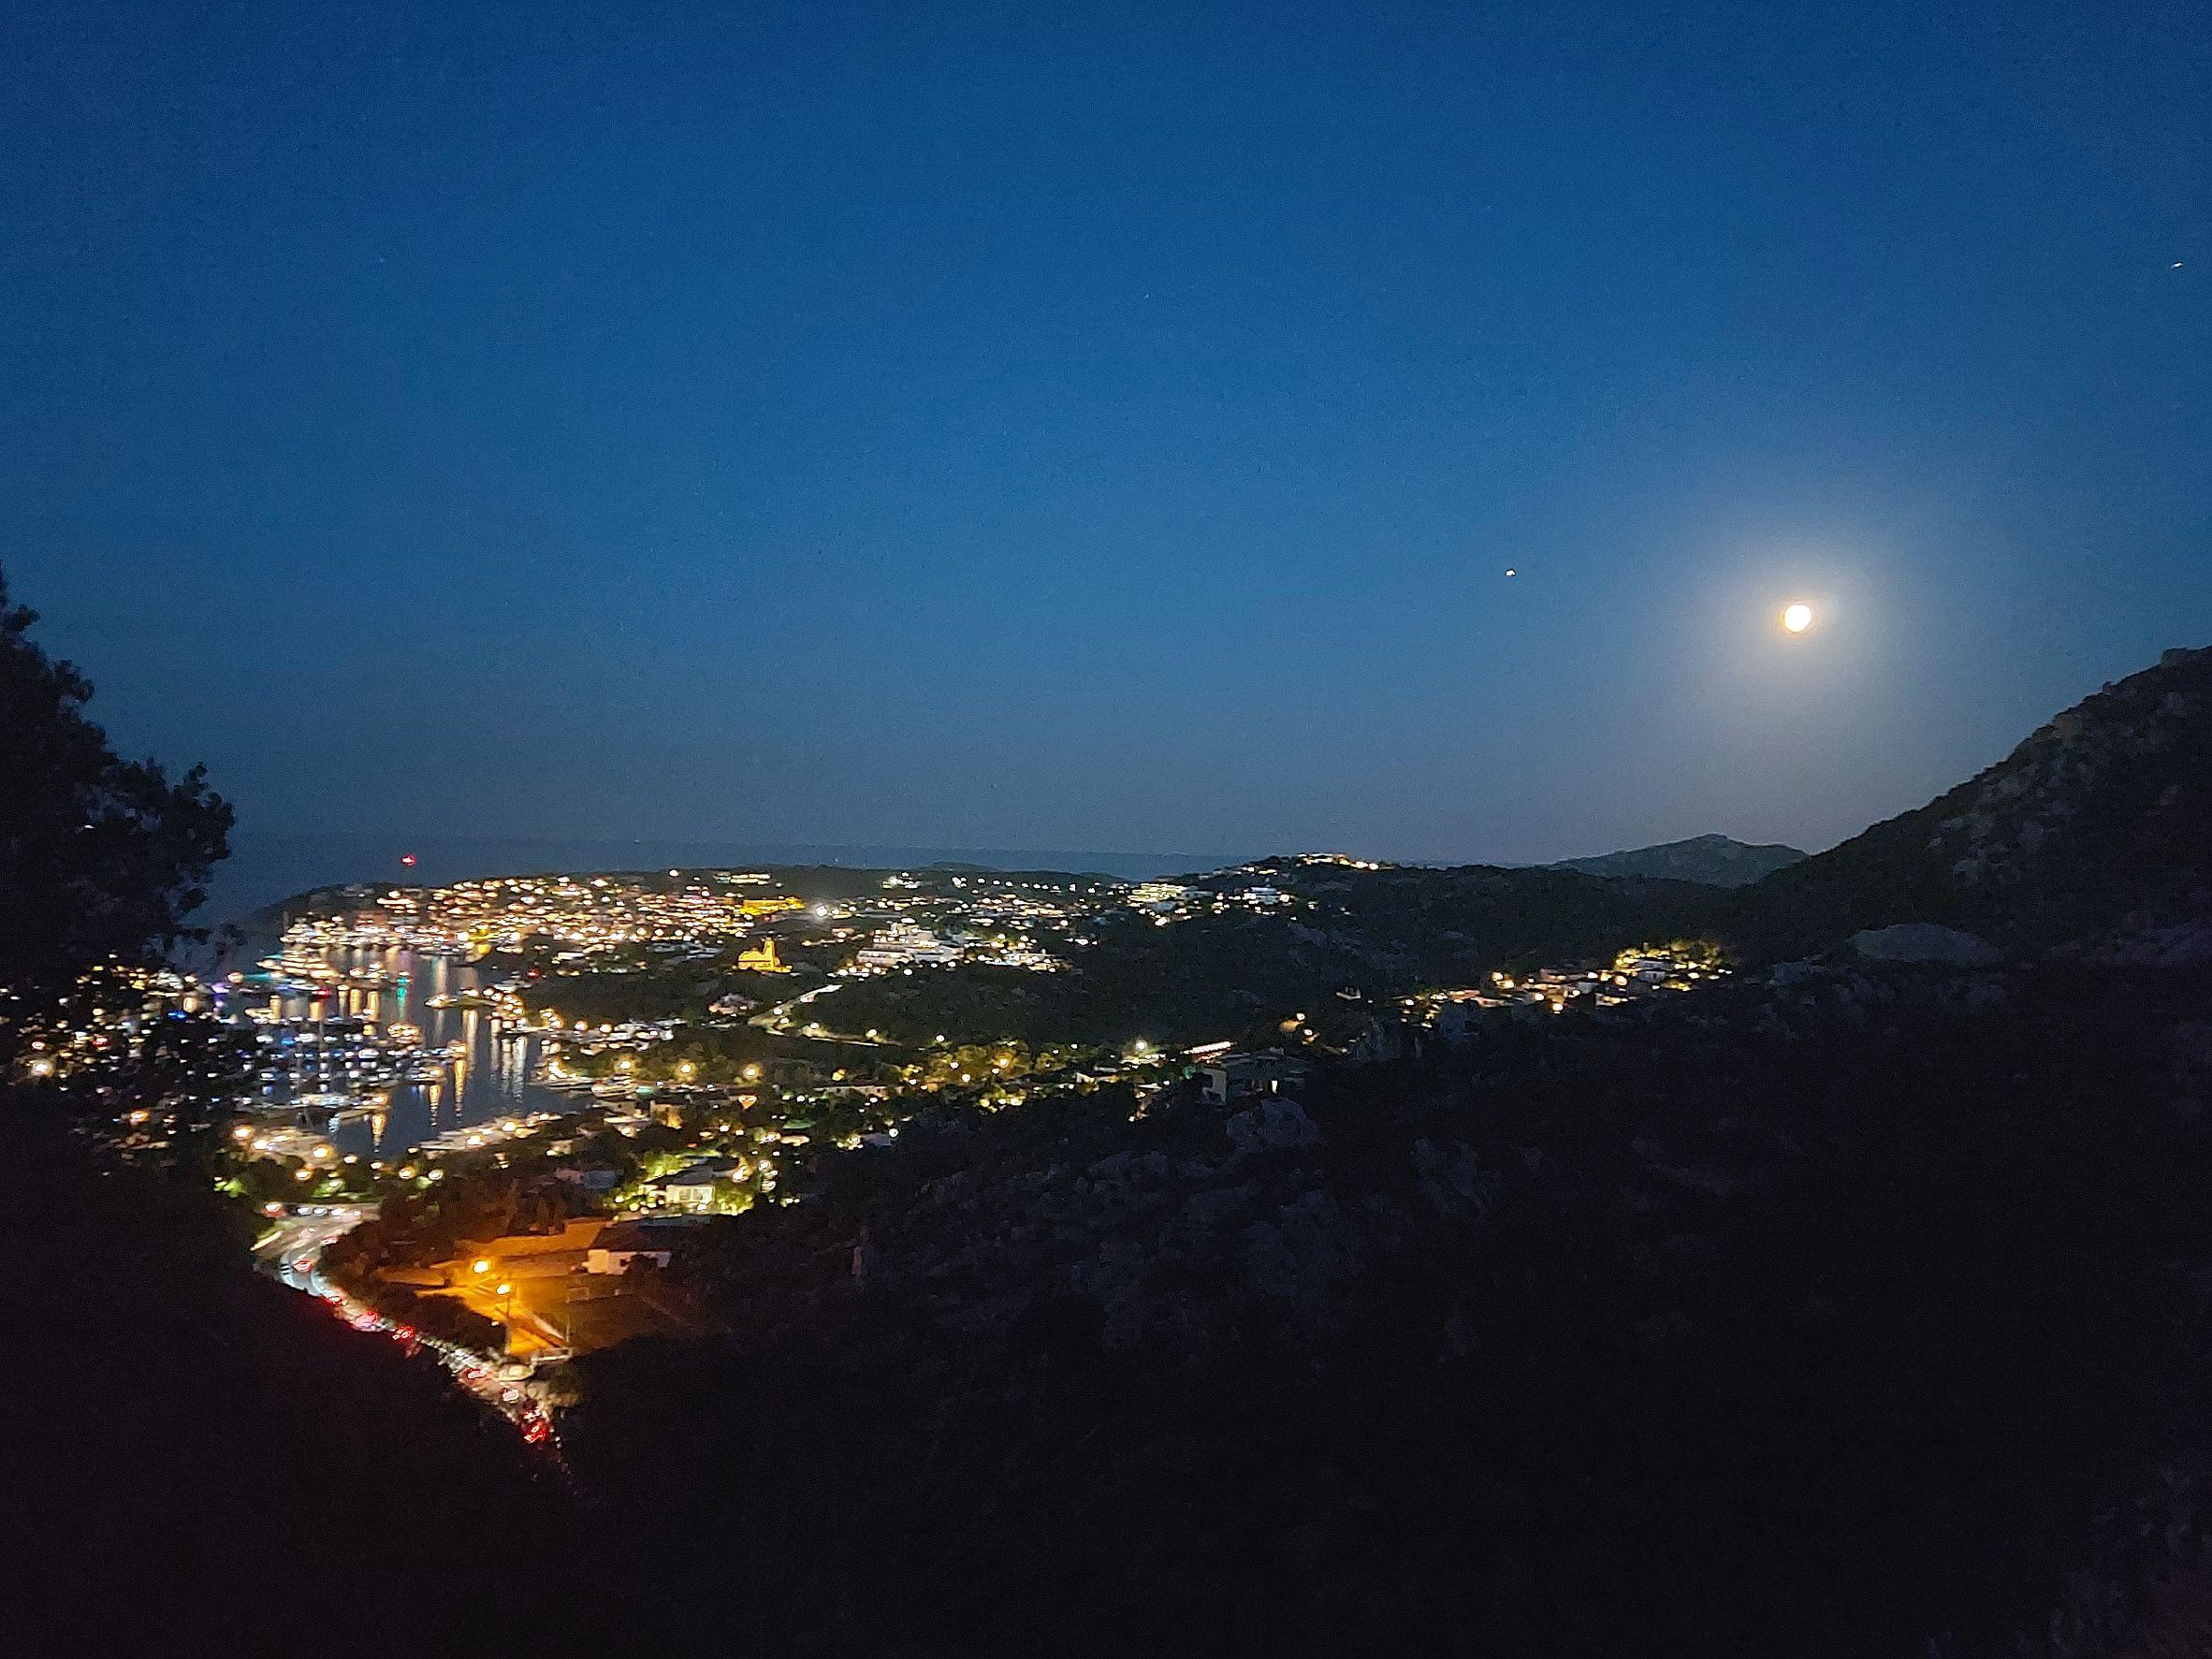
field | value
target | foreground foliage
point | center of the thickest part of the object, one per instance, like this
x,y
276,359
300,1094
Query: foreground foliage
x,y
100,856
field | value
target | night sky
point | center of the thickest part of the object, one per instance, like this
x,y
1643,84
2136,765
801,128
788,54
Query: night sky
x,y
1082,425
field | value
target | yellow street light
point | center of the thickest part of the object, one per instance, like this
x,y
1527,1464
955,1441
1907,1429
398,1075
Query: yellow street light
x,y
481,1265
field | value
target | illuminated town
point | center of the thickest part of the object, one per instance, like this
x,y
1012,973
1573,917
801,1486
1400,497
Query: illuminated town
x,y
562,1128
902,920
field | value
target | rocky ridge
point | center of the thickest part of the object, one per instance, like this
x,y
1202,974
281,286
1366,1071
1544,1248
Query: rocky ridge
x,y
2098,826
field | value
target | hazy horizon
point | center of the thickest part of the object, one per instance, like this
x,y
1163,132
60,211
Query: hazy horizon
x,y
266,866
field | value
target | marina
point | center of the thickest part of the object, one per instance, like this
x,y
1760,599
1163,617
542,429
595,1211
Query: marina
x,y
385,1051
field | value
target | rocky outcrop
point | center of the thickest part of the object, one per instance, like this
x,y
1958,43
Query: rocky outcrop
x,y
1275,1123
2098,823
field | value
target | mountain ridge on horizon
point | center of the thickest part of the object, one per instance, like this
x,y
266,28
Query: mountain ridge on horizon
x,y
1715,860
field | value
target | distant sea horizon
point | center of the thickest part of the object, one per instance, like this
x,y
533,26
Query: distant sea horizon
x,y
266,866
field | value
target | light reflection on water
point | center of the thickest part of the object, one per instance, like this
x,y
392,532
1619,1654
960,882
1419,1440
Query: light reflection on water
x,y
489,1079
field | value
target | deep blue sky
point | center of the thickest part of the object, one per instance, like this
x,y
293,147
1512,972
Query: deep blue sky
x,y
1104,426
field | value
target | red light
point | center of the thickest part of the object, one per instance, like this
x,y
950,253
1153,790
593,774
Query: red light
x,y
407,859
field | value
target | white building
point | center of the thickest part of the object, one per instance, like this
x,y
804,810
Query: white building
x,y
903,944
1239,1076
618,1245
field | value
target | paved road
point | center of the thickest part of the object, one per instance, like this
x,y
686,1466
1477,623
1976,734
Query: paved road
x,y
292,1250
293,1245
779,1020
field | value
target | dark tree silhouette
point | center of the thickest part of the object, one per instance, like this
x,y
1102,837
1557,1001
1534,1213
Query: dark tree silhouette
x,y
203,1449
100,856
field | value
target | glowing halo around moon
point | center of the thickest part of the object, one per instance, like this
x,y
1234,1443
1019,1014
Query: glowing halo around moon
x,y
1797,617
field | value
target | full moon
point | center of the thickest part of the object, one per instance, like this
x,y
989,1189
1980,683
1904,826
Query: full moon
x,y
1798,618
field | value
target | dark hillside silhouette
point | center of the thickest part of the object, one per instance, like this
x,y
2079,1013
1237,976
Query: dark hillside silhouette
x,y
2095,826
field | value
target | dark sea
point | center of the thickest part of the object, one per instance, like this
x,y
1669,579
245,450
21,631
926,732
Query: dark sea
x,y
264,867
